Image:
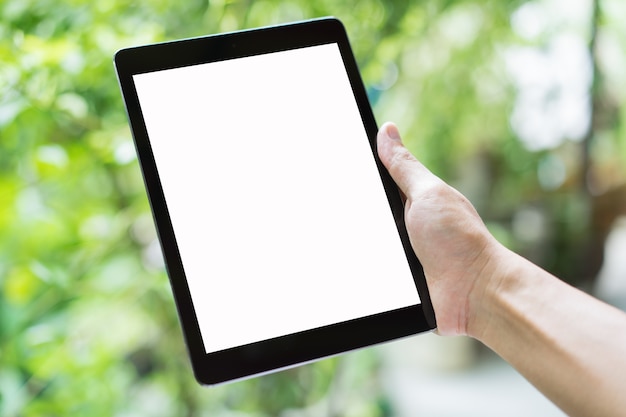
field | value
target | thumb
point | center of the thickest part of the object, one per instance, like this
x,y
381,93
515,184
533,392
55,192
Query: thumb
x,y
405,170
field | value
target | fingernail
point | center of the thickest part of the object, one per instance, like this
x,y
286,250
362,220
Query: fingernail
x,y
392,132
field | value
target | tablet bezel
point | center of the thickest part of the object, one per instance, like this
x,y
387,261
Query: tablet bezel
x,y
289,350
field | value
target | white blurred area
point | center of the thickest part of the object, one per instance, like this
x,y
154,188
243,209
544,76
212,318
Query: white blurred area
x,y
611,285
554,81
438,376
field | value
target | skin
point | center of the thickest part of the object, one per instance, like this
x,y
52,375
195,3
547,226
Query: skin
x,y
571,346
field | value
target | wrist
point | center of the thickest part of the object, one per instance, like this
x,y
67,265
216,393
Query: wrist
x,y
499,277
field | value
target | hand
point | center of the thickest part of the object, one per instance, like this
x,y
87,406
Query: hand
x,y
567,343
446,233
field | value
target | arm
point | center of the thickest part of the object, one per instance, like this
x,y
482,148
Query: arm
x,y
571,346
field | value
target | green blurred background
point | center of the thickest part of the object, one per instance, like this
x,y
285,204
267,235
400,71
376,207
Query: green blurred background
x,y
519,104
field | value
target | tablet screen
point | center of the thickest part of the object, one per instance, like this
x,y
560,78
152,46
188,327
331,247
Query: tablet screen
x,y
275,199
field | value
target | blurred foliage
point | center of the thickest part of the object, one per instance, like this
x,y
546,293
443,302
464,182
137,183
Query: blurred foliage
x,y
87,322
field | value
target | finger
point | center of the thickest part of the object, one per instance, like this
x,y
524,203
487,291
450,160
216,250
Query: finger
x,y
406,171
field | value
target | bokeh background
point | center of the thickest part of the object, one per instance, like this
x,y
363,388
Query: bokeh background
x,y
519,104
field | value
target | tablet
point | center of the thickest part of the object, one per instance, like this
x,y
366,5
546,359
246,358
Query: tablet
x,y
282,233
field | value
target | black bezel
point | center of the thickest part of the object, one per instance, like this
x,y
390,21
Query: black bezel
x,y
290,350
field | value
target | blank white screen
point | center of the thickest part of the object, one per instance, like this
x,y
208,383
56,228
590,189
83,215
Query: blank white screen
x,y
279,213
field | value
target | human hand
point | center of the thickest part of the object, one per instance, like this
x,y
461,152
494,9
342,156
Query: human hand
x,y
447,235
553,333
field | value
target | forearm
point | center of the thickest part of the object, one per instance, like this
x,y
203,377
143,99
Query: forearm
x,y
571,346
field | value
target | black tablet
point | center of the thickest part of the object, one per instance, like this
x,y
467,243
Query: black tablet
x,y
282,233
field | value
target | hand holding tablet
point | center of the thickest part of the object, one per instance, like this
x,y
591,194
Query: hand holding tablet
x,y
282,233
